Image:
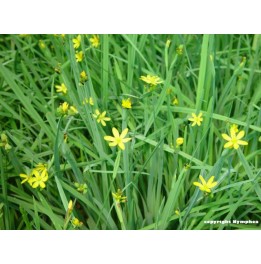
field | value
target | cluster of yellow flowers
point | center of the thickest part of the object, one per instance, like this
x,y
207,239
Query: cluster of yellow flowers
x,y
79,55
65,109
37,177
76,44
234,140
76,223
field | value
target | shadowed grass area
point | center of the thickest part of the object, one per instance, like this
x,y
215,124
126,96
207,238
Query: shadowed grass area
x,y
148,183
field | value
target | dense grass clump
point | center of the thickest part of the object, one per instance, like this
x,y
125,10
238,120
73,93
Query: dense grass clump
x,y
127,132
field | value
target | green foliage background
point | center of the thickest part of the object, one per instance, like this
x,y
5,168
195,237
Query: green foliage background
x,y
218,75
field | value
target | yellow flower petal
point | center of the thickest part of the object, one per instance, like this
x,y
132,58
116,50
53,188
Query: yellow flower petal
x,y
35,184
113,144
109,138
42,185
122,146
240,134
242,142
124,140
124,132
236,146
115,132
211,179
232,133
228,144
202,180
210,182
226,137
198,184
212,185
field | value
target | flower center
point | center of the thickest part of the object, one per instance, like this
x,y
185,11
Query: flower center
x,y
118,140
234,140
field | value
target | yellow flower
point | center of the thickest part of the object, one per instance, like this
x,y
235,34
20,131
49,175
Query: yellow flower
x,y
70,206
61,88
234,140
175,101
42,44
151,80
40,167
88,101
177,212
72,111
234,127
77,42
95,42
168,43
37,176
179,141
196,119
118,139
76,222
179,49
39,179
4,142
4,138
126,103
79,56
205,186
83,77
26,178
63,108
119,197
101,118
